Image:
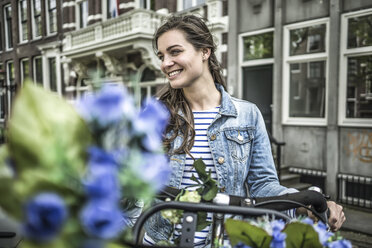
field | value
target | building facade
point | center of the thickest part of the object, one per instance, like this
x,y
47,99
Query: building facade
x,y
30,43
66,45
307,64
112,40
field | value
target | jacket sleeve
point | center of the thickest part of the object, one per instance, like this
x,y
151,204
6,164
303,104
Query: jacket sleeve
x,y
262,176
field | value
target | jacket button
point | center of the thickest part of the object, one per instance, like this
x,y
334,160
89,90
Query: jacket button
x,y
213,137
221,160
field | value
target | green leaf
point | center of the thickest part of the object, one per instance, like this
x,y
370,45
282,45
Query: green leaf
x,y
301,235
202,221
210,191
46,131
200,169
193,178
47,141
241,231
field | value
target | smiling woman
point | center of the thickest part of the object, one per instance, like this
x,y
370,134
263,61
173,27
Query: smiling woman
x,y
206,123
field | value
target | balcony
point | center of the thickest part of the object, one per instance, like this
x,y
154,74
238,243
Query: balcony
x,y
138,23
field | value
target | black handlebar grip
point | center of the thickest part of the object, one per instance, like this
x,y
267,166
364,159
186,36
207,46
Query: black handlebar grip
x,y
306,197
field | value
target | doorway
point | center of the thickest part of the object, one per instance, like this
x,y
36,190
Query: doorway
x,y
257,88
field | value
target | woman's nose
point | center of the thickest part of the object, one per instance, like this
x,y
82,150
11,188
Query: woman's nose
x,y
167,62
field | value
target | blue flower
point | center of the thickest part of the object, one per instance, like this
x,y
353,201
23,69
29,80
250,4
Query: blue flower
x,y
241,245
151,123
340,244
308,221
45,215
157,170
102,219
100,158
108,106
277,225
101,180
323,234
278,240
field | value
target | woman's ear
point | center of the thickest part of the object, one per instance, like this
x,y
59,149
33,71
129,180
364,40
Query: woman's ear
x,y
206,53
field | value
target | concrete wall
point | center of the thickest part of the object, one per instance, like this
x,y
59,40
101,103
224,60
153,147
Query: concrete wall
x,y
255,17
296,10
305,147
356,151
353,5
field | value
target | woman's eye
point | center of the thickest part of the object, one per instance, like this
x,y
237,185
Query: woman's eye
x,y
175,52
161,58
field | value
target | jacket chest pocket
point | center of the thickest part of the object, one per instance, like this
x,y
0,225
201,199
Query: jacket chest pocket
x,y
239,142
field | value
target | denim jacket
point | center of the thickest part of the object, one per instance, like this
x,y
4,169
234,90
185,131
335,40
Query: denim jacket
x,y
241,153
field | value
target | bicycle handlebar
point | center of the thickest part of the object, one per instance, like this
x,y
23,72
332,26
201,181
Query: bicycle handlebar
x,y
278,203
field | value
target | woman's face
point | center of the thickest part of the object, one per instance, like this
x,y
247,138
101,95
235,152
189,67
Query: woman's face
x,y
181,63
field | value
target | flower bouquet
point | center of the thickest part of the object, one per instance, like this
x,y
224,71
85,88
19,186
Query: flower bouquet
x,y
72,175
300,233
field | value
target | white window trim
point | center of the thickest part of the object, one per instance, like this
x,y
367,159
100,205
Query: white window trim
x,y
180,6
21,66
2,91
34,37
344,55
8,91
77,13
256,62
287,60
20,28
34,68
7,48
48,20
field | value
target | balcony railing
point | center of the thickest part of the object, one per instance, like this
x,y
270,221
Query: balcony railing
x,y
124,27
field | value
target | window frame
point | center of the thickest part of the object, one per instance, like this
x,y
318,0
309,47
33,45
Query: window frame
x,y
21,22
7,31
78,12
303,58
181,7
47,17
34,27
9,84
254,62
21,61
34,70
2,92
346,53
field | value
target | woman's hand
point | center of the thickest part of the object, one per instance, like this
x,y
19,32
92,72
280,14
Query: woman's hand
x,y
336,217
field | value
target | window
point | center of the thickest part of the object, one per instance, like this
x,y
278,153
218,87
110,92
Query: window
x,y
23,25
355,101
186,4
112,9
2,96
258,46
52,74
51,16
83,14
36,19
10,82
38,70
8,27
305,73
25,69
147,4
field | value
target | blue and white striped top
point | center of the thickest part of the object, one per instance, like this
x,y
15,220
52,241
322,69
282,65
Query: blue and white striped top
x,y
200,149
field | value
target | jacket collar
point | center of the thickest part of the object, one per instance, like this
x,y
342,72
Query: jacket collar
x,y
227,106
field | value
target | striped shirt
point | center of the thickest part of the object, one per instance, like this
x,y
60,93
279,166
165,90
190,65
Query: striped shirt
x,y
200,149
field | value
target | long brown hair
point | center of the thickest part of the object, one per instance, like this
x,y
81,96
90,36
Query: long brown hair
x,y
197,33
